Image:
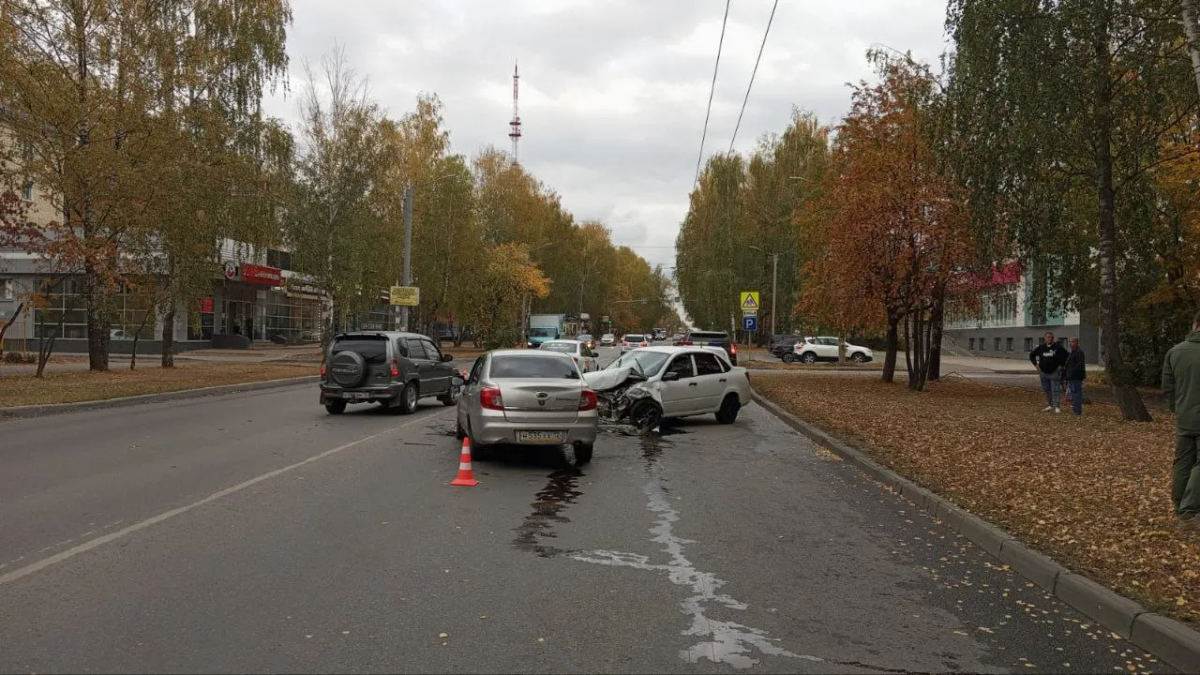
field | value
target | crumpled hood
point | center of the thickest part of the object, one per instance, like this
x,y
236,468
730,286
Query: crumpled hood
x,y
603,380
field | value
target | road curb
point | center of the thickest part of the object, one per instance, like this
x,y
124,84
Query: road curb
x,y
29,411
1170,640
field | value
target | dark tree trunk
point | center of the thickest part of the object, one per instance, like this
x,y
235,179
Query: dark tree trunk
x,y
95,297
1128,398
889,358
168,338
937,320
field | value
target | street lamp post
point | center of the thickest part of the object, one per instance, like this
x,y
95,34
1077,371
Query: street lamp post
x,y
408,228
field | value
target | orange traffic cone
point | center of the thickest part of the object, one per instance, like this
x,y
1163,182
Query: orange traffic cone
x,y
466,477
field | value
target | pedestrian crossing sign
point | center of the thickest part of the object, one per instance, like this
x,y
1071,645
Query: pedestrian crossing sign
x,y
749,301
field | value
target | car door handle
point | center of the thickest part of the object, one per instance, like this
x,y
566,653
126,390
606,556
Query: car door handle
x,y
691,384
724,380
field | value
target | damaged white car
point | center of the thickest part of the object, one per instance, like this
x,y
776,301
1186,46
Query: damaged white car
x,y
649,385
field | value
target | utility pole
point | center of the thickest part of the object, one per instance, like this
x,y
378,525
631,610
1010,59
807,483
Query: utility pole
x,y
774,290
408,209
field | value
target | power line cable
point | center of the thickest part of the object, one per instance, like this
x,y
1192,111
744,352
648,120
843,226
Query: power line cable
x,y
752,74
711,90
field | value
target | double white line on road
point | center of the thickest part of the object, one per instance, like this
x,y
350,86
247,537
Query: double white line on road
x,y
167,515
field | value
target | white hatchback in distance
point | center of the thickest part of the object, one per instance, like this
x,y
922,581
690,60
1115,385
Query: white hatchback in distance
x,y
814,349
577,350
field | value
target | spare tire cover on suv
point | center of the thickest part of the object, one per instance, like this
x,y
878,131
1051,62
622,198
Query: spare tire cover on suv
x,y
348,368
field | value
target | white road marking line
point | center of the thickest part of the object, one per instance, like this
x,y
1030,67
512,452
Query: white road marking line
x,y
167,515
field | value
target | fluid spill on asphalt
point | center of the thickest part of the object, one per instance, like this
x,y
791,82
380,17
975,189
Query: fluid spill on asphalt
x,y
561,490
725,642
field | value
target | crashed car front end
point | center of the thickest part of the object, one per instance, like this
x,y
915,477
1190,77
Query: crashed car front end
x,y
617,393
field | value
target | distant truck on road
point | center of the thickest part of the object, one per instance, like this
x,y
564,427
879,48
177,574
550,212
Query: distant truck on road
x,y
545,327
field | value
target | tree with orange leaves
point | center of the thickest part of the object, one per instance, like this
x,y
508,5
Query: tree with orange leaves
x,y
895,229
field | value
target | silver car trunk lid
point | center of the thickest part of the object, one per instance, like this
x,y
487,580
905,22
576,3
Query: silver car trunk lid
x,y
538,401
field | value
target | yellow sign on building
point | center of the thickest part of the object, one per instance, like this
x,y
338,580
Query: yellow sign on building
x,y
405,296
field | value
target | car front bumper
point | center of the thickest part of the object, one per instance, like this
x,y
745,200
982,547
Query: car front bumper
x,y
494,429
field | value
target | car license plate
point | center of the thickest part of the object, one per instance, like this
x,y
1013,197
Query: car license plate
x,y
356,395
540,437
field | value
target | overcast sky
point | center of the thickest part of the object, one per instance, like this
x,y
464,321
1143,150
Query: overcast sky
x,y
612,92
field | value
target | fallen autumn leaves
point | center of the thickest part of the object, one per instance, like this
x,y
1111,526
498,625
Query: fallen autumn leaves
x,y
1093,492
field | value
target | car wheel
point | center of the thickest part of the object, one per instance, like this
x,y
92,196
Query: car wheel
x,y
335,407
583,453
859,357
645,416
450,398
408,399
728,413
808,357
789,358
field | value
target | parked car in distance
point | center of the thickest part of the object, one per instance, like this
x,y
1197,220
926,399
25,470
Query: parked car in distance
x,y
681,382
578,350
521,397
824,348
395,369
781,345
587,339
711,338
634,341
660,334
608,340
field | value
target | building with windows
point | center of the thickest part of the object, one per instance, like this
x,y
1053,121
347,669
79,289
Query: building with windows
x,y
1010,319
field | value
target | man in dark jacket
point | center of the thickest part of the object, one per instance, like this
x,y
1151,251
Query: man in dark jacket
x,y
1048,359
1074,373
1181,386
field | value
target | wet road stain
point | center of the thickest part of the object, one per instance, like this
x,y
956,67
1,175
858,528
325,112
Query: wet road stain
x,y
562,489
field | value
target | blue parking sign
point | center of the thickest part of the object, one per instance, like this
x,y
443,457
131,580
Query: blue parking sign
x,y
749,323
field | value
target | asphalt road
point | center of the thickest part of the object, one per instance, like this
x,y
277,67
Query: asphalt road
x,y
255,533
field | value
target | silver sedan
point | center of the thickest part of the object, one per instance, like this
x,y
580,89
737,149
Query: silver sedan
x,y
523,397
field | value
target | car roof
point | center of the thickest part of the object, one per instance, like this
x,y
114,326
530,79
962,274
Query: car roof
x,y
569,340
380,333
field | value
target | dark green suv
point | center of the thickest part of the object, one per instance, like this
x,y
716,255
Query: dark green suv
x,y
395,369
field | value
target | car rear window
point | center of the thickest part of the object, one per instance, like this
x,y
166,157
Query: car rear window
x,y
635,338
708,335
518,367
564,347
373,349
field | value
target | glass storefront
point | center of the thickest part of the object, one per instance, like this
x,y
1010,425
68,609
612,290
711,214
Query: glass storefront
x,y
293,316
61,299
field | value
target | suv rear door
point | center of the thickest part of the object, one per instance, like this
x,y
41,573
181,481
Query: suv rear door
x,y
421,362
345,371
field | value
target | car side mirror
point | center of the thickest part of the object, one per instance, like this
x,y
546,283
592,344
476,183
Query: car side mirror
x,y
670,376
457,381
446,358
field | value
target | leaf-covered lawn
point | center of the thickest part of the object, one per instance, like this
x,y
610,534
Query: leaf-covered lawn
x,y
1093,492
72,387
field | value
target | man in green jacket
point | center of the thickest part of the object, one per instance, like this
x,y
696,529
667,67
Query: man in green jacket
x,y
1181,386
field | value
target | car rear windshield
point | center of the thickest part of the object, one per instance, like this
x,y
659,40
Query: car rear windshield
x,y
372,348
708,335
635,338
519,367
564,347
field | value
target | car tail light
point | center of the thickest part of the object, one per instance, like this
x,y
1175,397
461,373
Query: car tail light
x,y
644,344
395,368
733,349
587,400
489,397
322,366
685,343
